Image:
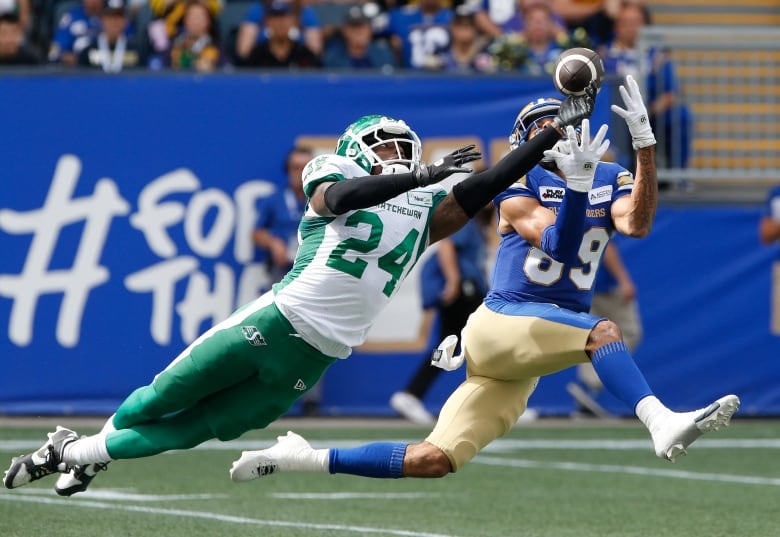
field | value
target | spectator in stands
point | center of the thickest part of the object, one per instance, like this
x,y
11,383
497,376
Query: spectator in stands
x,y
595,18
75,30
466,51
354,47
417,31
534,50
769,233
306,29
281,49
452,284
111,50
14,49
197,46
169,22
669,114
515,22
20,9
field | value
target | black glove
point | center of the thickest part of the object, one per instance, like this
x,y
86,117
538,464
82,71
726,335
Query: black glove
x,y
444,167
576,108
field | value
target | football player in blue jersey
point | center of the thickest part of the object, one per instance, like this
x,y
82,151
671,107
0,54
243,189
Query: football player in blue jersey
x,y
372,208
554,223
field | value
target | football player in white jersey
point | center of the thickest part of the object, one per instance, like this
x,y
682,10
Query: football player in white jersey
x,y
373,207
555,223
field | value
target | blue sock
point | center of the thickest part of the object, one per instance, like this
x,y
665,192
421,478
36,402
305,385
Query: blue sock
x,y
380,459
619,373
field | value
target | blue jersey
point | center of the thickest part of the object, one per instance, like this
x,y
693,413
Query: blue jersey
x,y
421,35
523,273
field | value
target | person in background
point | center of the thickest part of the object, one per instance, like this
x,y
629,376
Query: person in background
x,y
168,23
354,46
197,47
252,30
14,49
417,31
614,297
535,49
281,49
111,50
769,233
668,113
75,31
465,52
594,17
276,231
452,286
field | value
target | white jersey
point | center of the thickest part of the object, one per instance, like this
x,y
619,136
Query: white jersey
x,y
349,266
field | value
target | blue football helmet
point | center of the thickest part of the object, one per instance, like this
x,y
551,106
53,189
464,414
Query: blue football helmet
x,y
529,117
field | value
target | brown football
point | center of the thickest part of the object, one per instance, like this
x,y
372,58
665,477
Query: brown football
x,y
575,69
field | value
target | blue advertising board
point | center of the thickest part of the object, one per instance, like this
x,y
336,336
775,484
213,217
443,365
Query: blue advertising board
x,y
127,204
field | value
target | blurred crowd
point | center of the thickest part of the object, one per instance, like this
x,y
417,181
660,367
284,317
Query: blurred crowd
x,y
477,36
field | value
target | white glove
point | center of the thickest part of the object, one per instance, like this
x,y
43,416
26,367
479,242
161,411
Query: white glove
x,y
635,115
443,357
579,165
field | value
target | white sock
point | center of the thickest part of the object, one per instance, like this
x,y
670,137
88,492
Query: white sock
x,y
651,412
320,461
108,427
89,449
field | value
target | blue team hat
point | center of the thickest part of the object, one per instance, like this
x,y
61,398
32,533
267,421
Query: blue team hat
x,y
280,7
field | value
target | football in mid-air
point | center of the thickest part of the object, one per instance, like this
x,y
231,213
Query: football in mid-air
x,y
575,68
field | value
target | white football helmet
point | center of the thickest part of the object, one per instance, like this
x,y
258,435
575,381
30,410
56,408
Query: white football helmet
x,y
361,137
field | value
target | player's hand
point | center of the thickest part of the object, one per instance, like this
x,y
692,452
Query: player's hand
x,y
443,357
579,165
635,114
448,165
576,108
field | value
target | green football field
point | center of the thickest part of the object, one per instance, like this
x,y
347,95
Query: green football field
x,y
552,478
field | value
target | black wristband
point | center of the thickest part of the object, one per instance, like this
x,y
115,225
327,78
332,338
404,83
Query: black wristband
x,y
474,193
362,192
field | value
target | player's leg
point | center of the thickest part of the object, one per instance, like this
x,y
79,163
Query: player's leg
x,y
672,432
480,410
588,385
223,356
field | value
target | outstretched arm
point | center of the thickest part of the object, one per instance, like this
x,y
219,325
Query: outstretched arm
x,y
332,198
471,195
633,215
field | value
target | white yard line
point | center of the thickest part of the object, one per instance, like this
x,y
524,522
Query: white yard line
x,y
633,470
361,530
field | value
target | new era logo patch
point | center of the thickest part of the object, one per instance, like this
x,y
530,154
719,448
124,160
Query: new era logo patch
x,y
253,336
300,385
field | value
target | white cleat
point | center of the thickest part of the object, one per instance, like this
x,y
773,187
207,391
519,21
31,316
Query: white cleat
x,y
411,408
45,461
290,453
681,429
